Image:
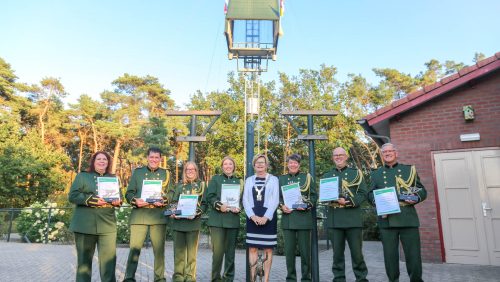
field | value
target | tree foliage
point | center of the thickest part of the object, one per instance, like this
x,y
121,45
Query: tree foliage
x,y
43,144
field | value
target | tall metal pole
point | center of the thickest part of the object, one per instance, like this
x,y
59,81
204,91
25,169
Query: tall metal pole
x,y
192,133
250,146
314,237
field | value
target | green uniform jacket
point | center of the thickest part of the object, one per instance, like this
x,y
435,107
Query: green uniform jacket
x,y
353,187
299,219
385,176
87,218
217,218
149,214
183,224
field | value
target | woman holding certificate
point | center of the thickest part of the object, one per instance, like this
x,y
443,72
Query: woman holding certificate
x,y
94,221
223,197
188,194
260,200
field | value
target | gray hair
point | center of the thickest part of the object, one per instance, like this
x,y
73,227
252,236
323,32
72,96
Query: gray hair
x,y
387,145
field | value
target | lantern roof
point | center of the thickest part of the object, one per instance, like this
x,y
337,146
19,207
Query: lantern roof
x,y
253,10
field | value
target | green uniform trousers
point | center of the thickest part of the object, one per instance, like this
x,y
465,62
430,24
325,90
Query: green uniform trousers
x,y
302,238
185,251
354,237
85,248
223,246
410,240
138,234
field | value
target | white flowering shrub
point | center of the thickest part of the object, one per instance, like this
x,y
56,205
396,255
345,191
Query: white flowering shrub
x,y
122,226
33,223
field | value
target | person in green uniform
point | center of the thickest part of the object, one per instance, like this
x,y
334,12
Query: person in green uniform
x,y
401,226
186,231
297,221
345,217
147,214
94,221
224,220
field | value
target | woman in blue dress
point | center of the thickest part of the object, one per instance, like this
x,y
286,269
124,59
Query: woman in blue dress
x,y
260,201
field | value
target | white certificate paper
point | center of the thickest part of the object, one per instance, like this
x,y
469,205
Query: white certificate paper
x,y
230,195
329,189
386,201
108,187
187,205
291,194
151,189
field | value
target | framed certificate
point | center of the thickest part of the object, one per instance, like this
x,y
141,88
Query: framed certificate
x,y
151,191
386,201
108,188
291,194
187,205
230,195
329,189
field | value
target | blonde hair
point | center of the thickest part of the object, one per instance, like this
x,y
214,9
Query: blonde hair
x,y
258,156
184,178
228,158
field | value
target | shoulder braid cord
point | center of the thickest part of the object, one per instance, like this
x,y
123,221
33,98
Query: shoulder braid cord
x,y
346,185
200,192
164,187
306,186
407,184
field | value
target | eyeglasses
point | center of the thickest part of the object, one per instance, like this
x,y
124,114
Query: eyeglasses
x,y
339,155
388,151
260,162
190,169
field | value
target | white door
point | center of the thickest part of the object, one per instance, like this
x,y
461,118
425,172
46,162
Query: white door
x,y
469,196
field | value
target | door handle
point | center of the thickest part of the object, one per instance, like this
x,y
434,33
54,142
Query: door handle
x,y
485,208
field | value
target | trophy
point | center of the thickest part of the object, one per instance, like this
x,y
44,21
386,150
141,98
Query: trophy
x,y
344,195
154,198
299,204
231,202
410,194
109,197
172,210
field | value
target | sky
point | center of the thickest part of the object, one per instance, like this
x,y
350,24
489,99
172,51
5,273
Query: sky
x,y
88,43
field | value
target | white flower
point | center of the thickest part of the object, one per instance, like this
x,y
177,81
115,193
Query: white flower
x,y
37,240
62,212
28,211
37,214
54,205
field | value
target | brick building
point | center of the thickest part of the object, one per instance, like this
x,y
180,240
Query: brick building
x,y
451,131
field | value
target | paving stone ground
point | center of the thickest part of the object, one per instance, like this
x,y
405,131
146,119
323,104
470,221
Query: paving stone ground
x,y
39,262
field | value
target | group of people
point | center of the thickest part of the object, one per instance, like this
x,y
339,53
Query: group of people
x,y
261,195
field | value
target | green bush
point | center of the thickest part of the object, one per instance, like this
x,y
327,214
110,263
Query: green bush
x,y
33,223
122,226
370,229
242,233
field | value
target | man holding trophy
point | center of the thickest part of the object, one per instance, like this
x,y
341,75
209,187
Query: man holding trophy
x,y
297,197
402,224
345,217
145,193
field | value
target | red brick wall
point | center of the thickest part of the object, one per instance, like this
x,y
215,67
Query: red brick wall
x,y
436,126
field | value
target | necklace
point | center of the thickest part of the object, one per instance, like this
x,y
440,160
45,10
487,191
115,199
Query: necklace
x,y
259,191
